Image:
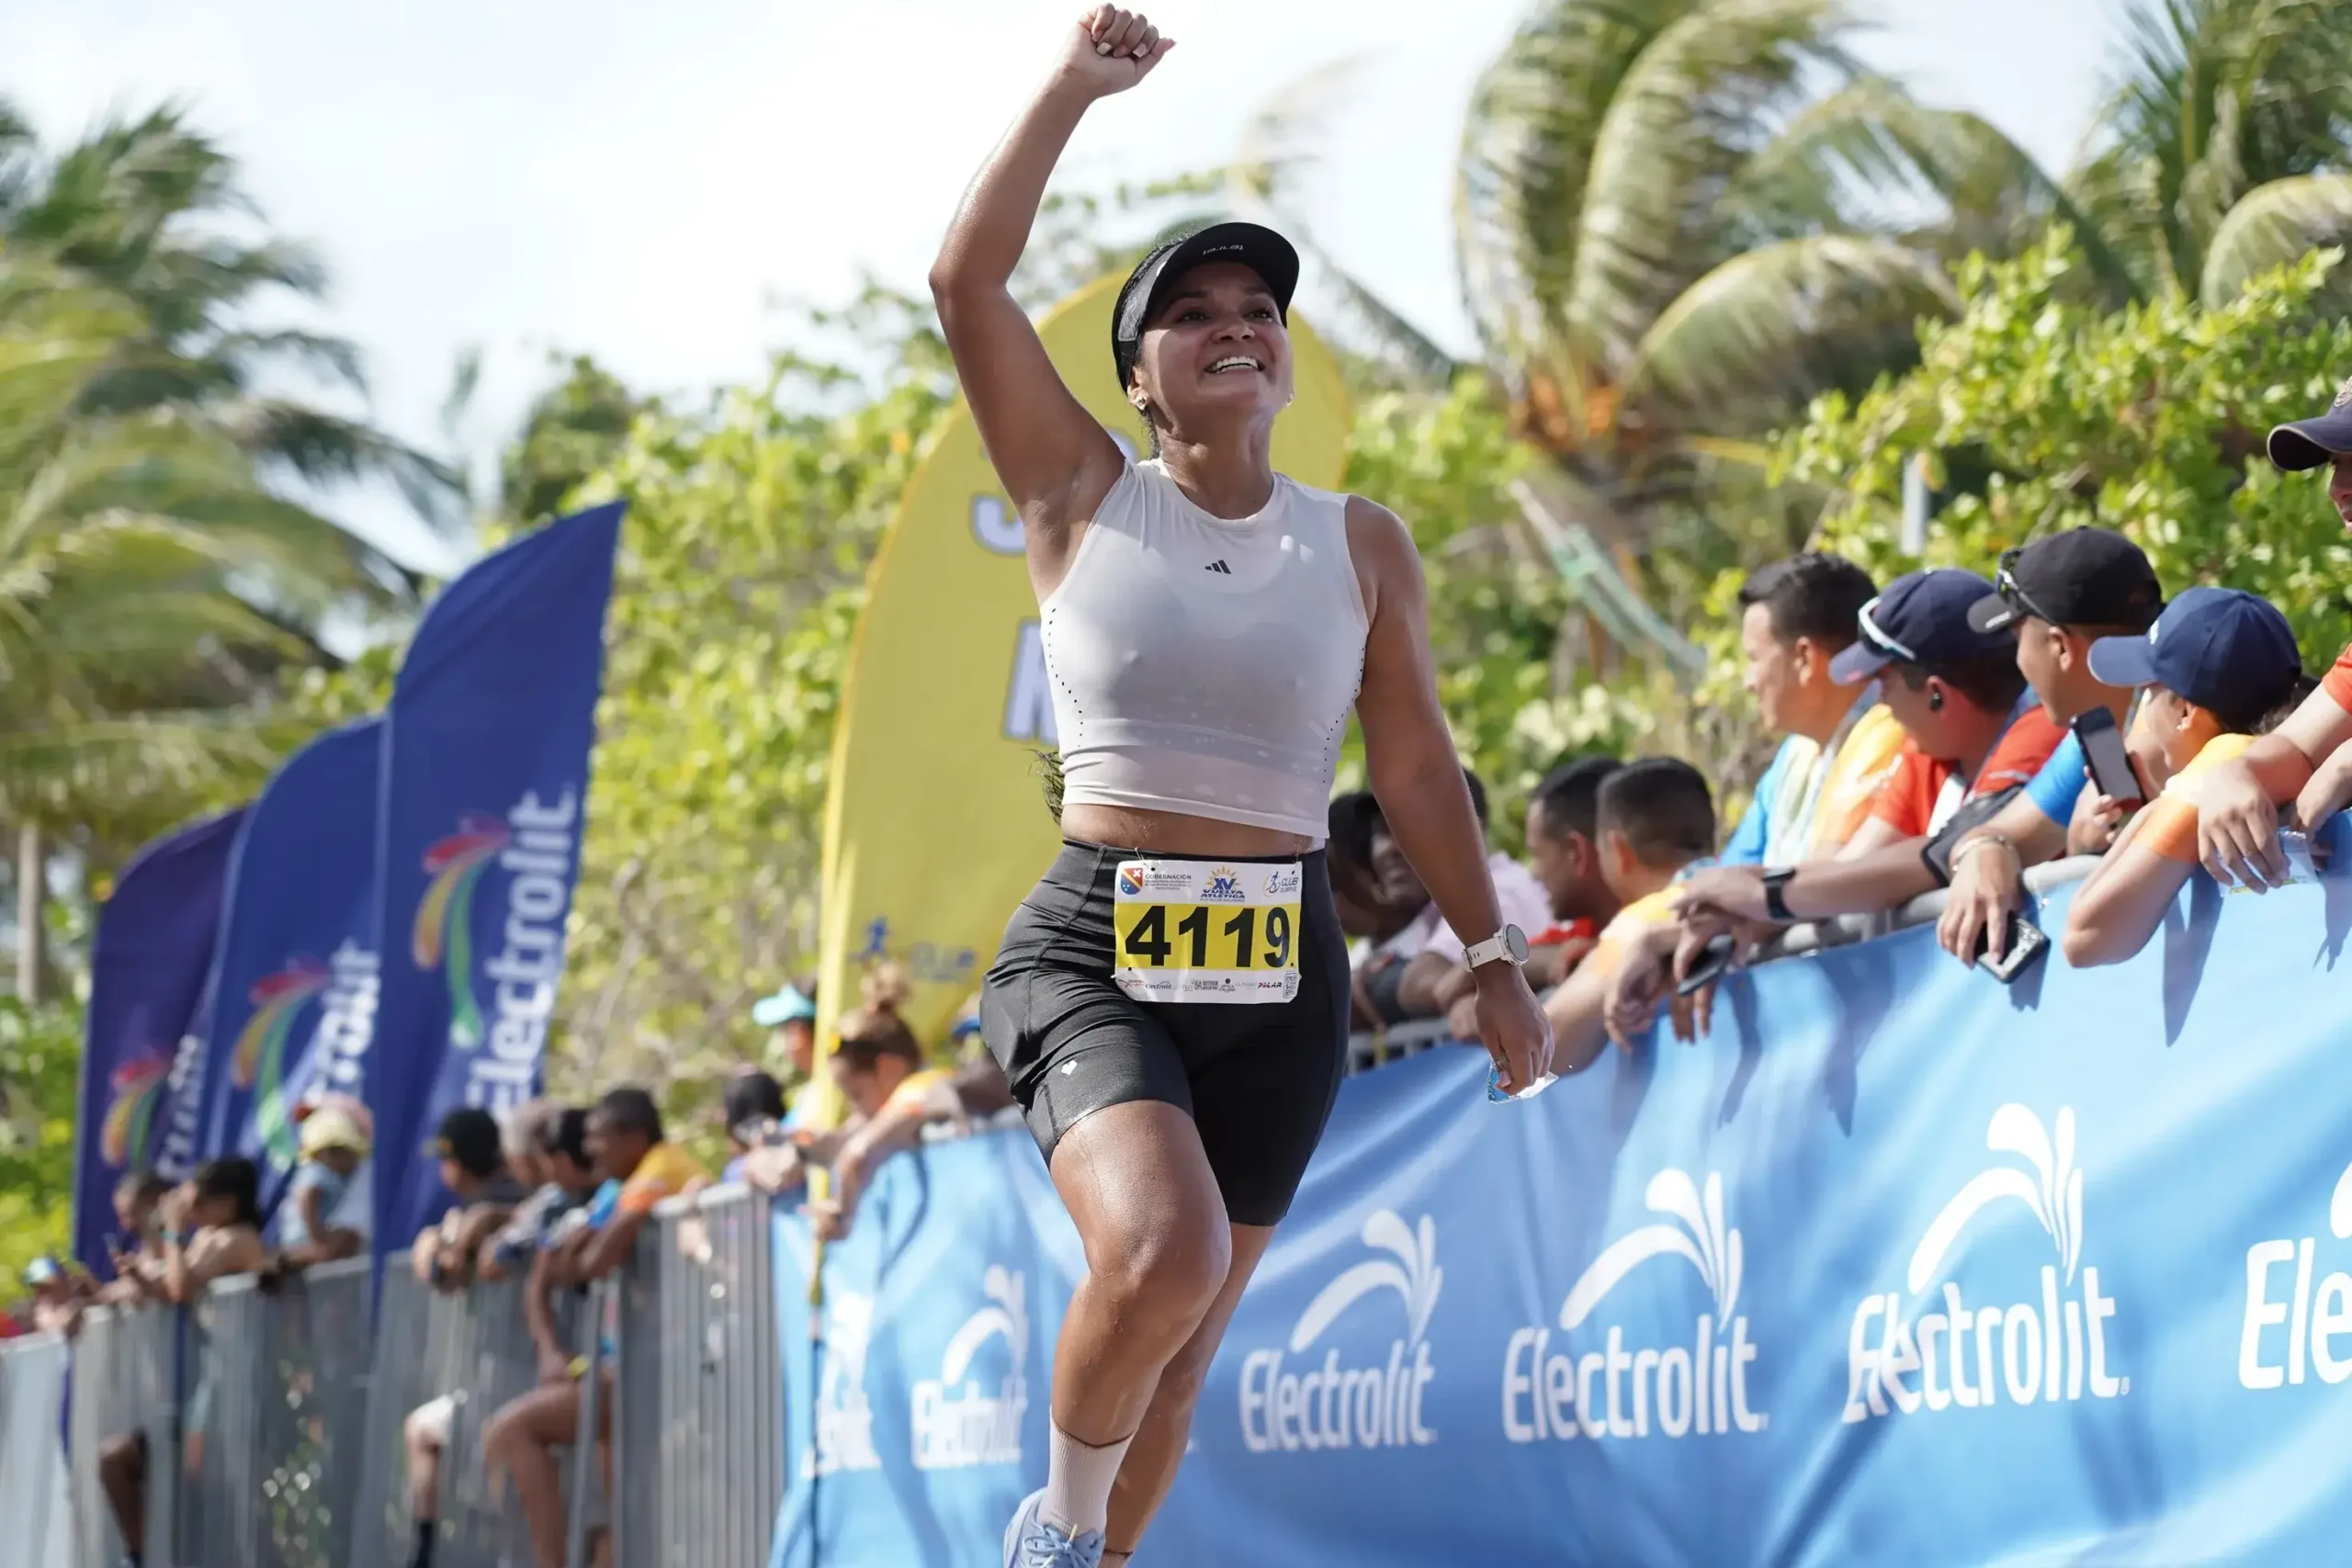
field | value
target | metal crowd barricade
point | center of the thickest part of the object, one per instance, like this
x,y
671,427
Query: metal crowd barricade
x,y
276,1418
123,1386
699,1418
34,1512
473,1348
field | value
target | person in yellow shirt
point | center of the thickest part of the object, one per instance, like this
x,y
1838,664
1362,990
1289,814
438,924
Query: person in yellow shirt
x,y
2218,664
1655,818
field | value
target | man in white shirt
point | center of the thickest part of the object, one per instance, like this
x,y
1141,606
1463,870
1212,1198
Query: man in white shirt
x,y
1434,975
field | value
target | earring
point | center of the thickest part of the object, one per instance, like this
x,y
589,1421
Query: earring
x,y
1935,701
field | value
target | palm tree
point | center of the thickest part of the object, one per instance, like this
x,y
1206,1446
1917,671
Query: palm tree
x,y
2220,150
1679,220
150,209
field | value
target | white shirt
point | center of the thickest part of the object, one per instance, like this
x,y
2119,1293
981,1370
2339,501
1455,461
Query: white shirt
x,y
1519,897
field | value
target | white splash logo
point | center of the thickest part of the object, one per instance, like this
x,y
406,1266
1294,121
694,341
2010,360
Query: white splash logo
x,y
1612,1392
2048,1351
956,1425
1333,1406
2315,1319
844,1438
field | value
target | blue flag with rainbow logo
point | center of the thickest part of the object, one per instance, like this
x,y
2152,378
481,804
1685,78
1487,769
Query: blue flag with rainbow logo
x,y
295,983
143,1058
484,797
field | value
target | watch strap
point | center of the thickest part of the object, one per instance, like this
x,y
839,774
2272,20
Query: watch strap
x,y
1776,901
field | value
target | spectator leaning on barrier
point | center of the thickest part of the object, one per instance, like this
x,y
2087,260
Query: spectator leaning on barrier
x,y
1564,851
2059,595
1657,819
316,1222
1365,911
2305,761
790,1015
473,1170
1435,976
212,1231
568,1181
879,1065
1796,617
138,1250
639,1170
1958,693
2219,665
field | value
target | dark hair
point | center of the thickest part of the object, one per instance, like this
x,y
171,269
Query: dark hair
x,y
567,1134
2303,686
1570,796
1477,795
142,1187
629,1109
471,1136
1662,805
1347,848
750,1095
1992,680
1814,595
236,1179
874,1031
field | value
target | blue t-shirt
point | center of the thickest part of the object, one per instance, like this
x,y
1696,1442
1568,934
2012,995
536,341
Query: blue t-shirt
x,y
331,1187
2059,782
1750,839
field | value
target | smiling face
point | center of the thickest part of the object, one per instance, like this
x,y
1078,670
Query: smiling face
x,y
1215,354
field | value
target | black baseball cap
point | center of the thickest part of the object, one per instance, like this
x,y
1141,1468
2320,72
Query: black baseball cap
x,y
2084,577
2314,442
1922,619
2229,651
1254,246
469,1134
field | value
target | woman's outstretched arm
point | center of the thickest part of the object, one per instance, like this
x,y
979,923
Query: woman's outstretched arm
x,y
1056,462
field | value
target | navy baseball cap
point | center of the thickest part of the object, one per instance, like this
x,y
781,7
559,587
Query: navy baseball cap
x,y
1922,618
1254,246
2314,442
2228,651
2084,577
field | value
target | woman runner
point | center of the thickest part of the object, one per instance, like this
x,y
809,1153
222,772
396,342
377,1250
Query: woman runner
x,y
1170,1003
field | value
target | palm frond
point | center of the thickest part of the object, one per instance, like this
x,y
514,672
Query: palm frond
x,y
1686,113
2272,225
1765,332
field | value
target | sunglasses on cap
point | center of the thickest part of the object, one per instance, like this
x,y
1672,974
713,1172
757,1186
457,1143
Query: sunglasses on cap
x,y
1877,634
2006,583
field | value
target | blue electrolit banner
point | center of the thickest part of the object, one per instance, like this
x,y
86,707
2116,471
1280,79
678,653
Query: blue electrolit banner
x,y
918,1419
294,991
142,1062
485,787
1900,1266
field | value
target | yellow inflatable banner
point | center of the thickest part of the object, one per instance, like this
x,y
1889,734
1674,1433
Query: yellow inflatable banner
x,y
936,822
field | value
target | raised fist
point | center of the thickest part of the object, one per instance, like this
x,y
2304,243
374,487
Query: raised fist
x,y
1109,51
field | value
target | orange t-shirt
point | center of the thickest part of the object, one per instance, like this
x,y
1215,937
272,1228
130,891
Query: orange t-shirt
x,y
2337,681
1908,799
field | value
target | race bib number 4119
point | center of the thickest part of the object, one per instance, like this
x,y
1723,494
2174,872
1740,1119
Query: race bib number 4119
x,y
1198,931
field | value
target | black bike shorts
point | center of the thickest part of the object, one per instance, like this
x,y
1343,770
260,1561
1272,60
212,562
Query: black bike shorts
x,y
1257,1079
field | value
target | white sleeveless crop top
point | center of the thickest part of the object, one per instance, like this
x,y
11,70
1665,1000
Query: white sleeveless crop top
x,y
1206,666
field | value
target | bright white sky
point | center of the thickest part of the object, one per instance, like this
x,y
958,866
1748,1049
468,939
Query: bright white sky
x,y
643,183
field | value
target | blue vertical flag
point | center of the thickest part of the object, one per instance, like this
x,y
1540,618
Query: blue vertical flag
x,y
485,784
294,991
142,1058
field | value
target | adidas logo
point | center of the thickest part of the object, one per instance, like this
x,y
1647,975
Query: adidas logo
x,y
1220,566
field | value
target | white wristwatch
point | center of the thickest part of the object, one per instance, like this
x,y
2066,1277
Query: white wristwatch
x,y
1508,945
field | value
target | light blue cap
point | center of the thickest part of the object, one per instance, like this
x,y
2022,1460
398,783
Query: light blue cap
x,y
785,1006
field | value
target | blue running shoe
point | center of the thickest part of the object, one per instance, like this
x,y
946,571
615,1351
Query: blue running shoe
x,y
1031,1542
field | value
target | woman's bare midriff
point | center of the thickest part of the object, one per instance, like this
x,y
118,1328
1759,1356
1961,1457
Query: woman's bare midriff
x,y
1172,833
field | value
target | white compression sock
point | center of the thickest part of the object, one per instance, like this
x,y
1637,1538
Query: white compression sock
x,y
1078,1483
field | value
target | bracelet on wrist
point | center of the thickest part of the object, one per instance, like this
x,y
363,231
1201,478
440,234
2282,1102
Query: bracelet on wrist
x,y
1979,841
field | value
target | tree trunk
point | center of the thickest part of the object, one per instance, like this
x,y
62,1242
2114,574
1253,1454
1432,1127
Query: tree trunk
x,y
32,886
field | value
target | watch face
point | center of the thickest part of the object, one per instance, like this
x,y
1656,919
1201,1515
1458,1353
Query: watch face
x,y
1515,944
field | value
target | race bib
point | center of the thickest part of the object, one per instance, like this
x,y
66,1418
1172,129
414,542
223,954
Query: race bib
x,y
1198,931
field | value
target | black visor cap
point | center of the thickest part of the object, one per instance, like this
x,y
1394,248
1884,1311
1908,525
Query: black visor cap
x,y
1254,246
